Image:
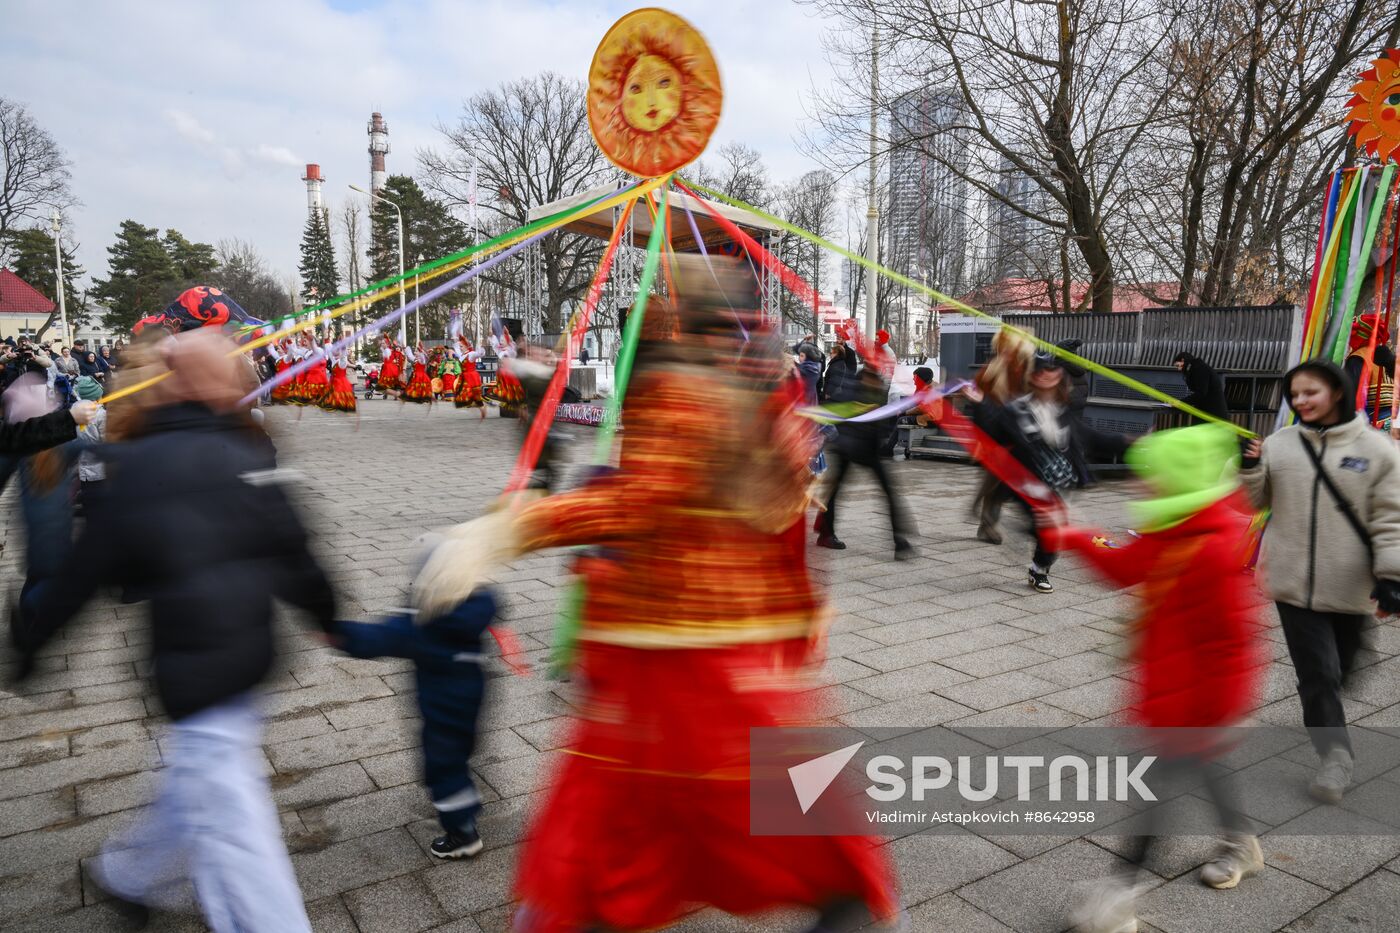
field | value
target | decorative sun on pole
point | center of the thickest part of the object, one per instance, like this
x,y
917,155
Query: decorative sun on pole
x,y
1375,107
654,93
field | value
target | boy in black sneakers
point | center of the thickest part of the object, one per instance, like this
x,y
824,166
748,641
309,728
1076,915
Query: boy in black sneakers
x,y
446,654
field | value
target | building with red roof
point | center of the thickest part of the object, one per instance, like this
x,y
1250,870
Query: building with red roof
x,y
23,308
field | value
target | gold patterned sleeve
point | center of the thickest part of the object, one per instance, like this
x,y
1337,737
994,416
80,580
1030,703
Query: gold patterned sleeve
x,y
668,452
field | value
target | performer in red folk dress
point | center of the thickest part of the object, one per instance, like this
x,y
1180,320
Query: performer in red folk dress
x,y
281,353
318,378
509,393
650,816
341,396
420,387
468,394
302,392
391,366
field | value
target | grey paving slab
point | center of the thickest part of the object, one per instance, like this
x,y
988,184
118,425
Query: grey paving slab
x,y
1373,903
1263,902
399,905
1036,895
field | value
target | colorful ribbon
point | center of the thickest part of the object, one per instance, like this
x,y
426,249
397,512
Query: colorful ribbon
x,y
907,282
566,629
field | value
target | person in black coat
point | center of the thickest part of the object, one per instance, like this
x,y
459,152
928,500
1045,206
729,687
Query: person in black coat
x,y
197,521
446,656
859,442
1206,386
838,382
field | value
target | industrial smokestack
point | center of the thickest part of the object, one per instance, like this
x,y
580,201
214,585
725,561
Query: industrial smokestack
x,y
378,148
313,181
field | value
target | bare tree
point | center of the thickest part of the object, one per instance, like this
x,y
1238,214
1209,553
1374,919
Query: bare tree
x,y
527,143
738,171
811,202
1251,137
1056,90
352,243
244,274
36,177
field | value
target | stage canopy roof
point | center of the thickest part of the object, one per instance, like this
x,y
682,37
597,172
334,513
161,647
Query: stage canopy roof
x,y
600,223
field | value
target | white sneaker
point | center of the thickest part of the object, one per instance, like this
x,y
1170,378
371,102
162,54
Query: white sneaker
x,y
1238,856
1334,777
1110,906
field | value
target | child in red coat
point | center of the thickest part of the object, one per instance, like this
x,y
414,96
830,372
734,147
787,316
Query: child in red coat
x,y
1196,648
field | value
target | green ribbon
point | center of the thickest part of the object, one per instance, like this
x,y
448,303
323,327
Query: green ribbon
x,y
566,629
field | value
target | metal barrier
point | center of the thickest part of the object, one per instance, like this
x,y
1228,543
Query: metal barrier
x,y
1251,347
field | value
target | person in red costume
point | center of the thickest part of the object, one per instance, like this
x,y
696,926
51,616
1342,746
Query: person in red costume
x,y
420,386
391,367
650,816
1197,659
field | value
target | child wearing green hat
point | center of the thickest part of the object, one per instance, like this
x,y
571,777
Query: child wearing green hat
x,y
91,470
1196,651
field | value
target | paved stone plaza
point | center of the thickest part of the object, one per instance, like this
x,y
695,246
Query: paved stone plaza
x,y
951,637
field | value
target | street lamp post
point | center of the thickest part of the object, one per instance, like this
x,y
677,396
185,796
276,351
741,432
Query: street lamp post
x,y
58,275
403,325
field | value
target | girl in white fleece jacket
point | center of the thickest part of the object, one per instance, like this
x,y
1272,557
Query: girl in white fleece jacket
x,y
1328,550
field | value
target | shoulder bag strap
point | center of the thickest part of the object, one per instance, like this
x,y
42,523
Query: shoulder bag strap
x,y
1341,500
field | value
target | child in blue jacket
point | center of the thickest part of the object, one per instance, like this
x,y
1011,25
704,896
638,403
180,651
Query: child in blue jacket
x,y
446,655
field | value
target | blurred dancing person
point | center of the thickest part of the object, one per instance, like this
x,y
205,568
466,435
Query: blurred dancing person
x,y
1196,649
420,386
195,517
468,392
1040,431
1331,547
446,651
859,442
1004,379
650,817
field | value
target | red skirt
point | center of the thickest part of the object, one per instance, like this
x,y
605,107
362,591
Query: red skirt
x,y
389,374
649,816
508,390
341,395
281,394
449,382
317,383
420,387
468,393
296,391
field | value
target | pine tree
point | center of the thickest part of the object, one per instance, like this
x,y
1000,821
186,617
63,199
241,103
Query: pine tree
x,y
31,258
140,273
429,230
193,262
320,279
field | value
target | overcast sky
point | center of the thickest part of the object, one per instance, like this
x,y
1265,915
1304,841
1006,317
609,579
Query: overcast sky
x,y
200,115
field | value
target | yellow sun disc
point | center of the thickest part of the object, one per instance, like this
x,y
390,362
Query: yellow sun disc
x,y
654,93
1375,107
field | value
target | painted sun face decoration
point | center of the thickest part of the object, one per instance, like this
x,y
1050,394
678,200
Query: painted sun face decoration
x,y
651,94
654,93
1375,107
